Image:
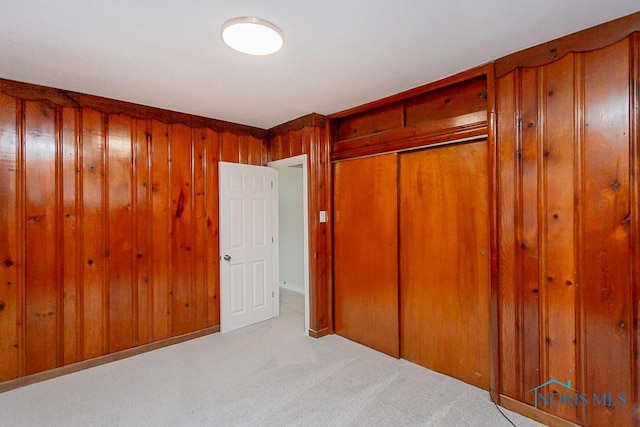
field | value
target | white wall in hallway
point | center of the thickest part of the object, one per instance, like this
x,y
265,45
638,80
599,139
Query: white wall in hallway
x,y
291,228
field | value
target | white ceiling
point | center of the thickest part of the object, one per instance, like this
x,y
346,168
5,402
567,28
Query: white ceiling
x,y
337,53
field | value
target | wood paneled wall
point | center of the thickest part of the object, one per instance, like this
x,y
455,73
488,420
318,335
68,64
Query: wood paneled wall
x,y
568,229
108,224
308,135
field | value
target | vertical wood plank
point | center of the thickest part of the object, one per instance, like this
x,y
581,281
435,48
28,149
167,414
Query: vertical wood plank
x,y
243,149
229,147
161,231
558,280
315,135
635,214
606,272
41,288
10,237
313,159
143,221
70,238
212,150
288,140
506,105
94,255
578,149
275,149
366,247
121,233
255,151
183,305
199,227
528,236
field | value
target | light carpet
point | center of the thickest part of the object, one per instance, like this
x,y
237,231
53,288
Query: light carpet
x,y
268,374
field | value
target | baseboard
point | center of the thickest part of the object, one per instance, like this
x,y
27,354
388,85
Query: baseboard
x,y
101,360
292,288
319,334
534,413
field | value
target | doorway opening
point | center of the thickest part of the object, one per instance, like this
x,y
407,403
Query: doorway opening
x,y
292,252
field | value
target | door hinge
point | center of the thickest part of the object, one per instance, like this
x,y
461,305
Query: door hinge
x,y
273,294
272,241
271,184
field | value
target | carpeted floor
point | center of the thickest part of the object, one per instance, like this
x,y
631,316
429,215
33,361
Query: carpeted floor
x,y
268,374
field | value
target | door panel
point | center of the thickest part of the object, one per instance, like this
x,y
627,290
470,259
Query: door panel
x,y
366,252
445,260
246,245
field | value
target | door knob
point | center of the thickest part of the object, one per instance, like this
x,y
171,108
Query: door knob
x,y
227,257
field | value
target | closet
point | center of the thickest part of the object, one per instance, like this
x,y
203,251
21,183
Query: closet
x,y
412,264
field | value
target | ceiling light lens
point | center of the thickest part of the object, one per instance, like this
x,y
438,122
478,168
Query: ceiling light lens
x,y
253,36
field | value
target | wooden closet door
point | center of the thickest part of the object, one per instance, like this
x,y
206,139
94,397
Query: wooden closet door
x,y
445,260
366,252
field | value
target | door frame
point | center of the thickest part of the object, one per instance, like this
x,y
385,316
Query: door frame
x,y
300,160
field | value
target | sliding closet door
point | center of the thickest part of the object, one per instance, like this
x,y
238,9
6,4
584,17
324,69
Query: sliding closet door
x,y
445,260
366,252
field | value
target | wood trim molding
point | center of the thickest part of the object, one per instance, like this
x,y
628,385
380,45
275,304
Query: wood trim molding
x,y
454,129
592,38
635,216
320,333
534,413
494,301
482,70
75,367
313,120
67,98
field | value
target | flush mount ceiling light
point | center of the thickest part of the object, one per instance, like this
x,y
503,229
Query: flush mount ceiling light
x,y
251,35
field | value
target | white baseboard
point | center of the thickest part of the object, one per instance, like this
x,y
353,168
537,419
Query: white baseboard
x,y
292,287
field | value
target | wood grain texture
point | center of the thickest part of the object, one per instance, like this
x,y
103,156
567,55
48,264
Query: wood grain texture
x,y
161,264
445,260
568,231
606,270
370,122
212,152
121,234
42,282
507,244
109,231
557,280
527,234
199,230
142,194
366,252
182,297
11,270
452,109
71,241
94,247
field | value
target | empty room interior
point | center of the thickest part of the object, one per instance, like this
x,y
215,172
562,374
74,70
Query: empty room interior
x,y
382,213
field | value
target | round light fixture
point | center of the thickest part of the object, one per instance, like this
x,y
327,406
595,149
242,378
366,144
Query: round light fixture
x,y
251,35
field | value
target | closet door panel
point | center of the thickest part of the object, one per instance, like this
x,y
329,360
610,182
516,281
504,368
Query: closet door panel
x,y
445,260
366,252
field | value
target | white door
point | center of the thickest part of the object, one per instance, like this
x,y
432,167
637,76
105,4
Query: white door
x,y
247,290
